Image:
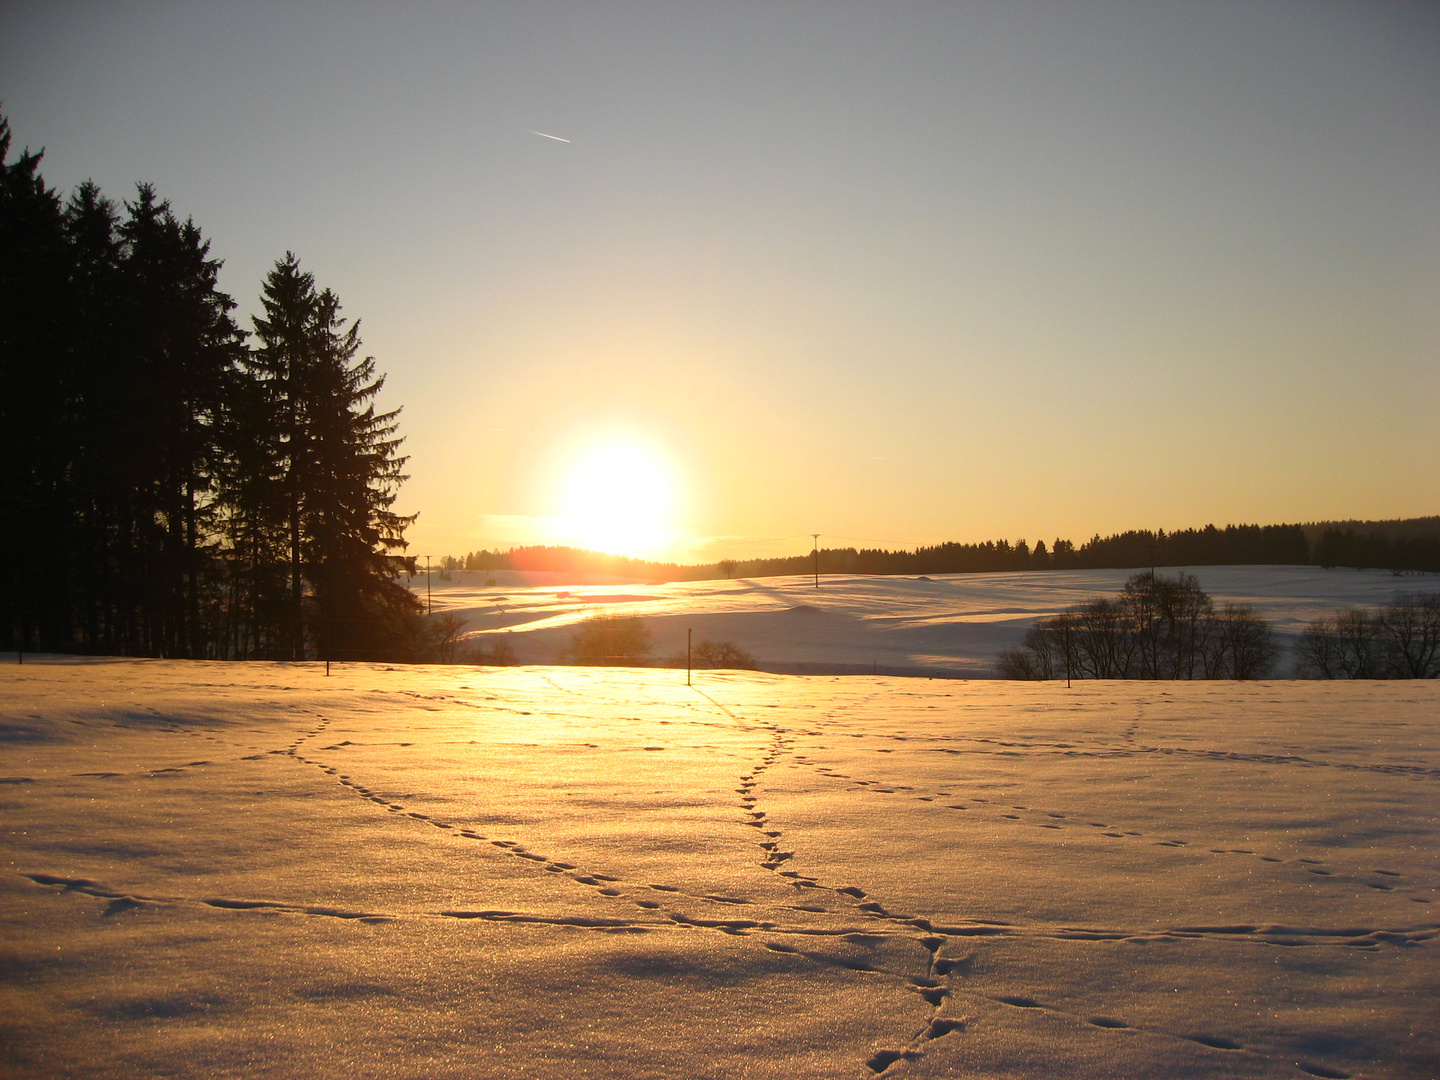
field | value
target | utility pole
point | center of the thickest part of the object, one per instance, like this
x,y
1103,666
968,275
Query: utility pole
x,y
428,608
817,559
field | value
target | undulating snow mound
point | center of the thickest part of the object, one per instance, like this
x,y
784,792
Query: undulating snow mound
x,y
255,870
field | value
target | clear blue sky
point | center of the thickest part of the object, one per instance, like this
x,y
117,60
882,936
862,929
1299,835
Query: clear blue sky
x,y
888,272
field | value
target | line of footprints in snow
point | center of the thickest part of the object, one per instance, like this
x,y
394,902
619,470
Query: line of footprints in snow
x,y
933,987
774,858
1381,879
1384,880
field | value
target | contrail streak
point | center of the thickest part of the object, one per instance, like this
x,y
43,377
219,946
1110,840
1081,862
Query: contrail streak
x,y
542,134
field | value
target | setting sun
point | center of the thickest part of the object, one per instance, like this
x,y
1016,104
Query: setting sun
x,y
619,496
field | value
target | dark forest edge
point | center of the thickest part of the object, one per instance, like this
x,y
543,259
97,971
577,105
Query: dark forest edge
x,y
1403,546
174,485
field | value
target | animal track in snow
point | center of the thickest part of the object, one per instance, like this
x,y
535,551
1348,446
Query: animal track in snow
x,y
944,977
1063,820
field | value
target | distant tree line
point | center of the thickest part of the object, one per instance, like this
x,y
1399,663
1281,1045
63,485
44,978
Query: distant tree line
x,y
1398,554
1391,529
171,485
1400,641
1233,545
1411,546
1157,628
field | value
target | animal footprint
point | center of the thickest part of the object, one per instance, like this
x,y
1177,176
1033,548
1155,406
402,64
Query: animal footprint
x,y
883,1059
941,1028
1215,1042
1321,1070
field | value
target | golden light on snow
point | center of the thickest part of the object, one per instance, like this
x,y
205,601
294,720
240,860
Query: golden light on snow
x,y
619,495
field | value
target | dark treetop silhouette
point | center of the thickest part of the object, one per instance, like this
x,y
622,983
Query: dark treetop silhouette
x,y
167,490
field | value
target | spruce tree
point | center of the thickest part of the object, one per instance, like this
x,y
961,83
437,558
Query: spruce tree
x,y
37,421
336,469
183,345
100,569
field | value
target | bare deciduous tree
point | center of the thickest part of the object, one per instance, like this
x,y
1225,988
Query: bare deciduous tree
x,y
1158,628
1340,646
441,637
723,654
1241,645
1409,633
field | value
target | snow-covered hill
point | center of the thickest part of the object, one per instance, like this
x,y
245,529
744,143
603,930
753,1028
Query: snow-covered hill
x,y
948,624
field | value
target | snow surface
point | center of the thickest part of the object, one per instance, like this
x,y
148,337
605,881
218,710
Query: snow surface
x,y
953,624
255,870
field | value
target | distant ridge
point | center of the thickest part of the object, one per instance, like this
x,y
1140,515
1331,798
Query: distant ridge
x,y
1402,545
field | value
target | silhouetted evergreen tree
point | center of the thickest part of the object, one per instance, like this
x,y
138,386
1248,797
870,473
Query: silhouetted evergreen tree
x,y
91,573
37,419
183,346
335,465
253,521
113,339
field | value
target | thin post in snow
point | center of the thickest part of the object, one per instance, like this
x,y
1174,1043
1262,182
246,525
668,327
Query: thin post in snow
x,y
428,609
688,633
1067,654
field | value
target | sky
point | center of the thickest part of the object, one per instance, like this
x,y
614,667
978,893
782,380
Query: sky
x,y
890,273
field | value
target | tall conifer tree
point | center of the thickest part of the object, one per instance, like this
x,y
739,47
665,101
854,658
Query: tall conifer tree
x,y
98,566
184,345
335,466
36,420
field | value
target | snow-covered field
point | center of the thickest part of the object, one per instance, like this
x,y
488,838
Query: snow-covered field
x,y
952,624
253,870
